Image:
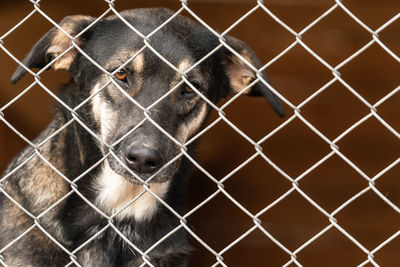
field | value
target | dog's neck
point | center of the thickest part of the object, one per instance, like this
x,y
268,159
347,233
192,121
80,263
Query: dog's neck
x,y
116,195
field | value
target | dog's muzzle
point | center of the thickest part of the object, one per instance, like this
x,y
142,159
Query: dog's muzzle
x,y
145,153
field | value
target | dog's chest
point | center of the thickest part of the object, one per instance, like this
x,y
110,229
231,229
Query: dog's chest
x,y
116,195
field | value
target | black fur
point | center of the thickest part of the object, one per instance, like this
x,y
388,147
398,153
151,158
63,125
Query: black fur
x,y
74,150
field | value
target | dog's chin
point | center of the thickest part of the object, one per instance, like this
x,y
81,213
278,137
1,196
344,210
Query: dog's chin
x,y
161,176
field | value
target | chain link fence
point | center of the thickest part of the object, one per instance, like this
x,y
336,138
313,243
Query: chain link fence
x,y
294,111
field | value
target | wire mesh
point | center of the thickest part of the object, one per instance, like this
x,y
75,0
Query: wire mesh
x,y
297,37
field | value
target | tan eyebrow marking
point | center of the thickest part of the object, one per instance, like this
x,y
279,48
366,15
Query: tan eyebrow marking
x,y
184,64
187,130
138,63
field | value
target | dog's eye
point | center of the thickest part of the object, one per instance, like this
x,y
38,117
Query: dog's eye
x,y
187,90
120,75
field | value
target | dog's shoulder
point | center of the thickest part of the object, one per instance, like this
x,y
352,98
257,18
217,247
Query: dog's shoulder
x,y
33,177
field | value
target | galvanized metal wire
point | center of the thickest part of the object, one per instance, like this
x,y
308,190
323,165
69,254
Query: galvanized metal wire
x,y
258,152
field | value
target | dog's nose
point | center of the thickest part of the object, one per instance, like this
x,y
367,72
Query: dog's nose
x,y
142,159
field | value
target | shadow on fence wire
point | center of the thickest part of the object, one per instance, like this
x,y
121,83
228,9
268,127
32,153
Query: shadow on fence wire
x,y
326,181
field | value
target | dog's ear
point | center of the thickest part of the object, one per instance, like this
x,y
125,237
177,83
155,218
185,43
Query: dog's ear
x,y
240,75
52,44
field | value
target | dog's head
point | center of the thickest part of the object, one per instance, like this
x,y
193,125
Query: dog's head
x,y
146,108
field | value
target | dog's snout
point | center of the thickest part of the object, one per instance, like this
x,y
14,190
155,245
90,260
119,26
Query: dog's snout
x,y
142,159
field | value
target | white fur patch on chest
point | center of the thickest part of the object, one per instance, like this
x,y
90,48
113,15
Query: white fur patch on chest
x,y
115,192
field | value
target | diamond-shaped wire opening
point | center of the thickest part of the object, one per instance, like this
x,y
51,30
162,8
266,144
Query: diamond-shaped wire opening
x,y
259,180
334,44
298,75
295,148
372,66
370,146
211,226
251,122
332,245
14,30
355,219
240,152
332,183
39,116
12,15
333,118
265,26
293,227
17,50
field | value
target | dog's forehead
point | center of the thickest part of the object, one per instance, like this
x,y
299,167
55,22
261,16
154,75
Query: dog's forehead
x,y
113,42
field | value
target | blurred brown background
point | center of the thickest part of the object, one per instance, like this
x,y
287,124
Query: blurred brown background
x,y
295,148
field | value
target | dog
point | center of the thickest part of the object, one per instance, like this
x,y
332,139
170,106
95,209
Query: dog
x,y
86,188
